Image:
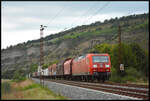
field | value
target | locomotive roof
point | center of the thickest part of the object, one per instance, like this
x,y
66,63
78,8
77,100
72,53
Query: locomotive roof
x,y
98,53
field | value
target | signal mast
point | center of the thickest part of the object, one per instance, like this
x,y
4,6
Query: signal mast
x,y
121,65
41,52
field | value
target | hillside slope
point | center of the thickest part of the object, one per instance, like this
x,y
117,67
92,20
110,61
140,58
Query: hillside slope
x,y
75,41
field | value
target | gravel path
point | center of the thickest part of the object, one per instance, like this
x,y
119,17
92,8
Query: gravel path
x,y
73,92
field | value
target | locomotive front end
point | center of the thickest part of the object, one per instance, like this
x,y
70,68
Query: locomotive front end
x,y
101,66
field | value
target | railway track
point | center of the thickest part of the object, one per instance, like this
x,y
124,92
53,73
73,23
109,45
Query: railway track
x,y
136,91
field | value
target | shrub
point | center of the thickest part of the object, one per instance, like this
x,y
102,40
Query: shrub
x,y
141,58
129,78
115,78
18,77
132,72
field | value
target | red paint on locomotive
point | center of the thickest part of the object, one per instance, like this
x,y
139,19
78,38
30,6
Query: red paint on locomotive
x,y
99,63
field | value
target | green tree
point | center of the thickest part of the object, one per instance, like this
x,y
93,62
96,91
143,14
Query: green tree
x,y
141,58
34,68
103,48
45,66
127,57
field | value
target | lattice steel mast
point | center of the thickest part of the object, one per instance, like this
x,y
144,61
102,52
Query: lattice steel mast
x,y
41,51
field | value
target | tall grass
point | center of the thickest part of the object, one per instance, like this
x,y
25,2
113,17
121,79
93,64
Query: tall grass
x,y
42,90
34,85
5,87
31,91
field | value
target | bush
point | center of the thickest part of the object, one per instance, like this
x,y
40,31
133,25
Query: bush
x,y
128,58
17,77
141,58
129,78
116,78
132,72
34,67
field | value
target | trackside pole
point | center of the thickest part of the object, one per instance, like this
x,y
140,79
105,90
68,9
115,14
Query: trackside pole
x,y
41,54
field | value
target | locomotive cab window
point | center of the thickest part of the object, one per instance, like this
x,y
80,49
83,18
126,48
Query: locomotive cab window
x,y
100,58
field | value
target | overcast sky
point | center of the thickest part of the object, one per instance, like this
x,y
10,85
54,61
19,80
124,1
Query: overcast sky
x,y
21,20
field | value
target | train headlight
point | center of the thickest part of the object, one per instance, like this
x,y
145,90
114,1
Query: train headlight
x,y
95,66
107,66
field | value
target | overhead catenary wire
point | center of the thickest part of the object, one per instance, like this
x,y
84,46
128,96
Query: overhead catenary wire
x,y
100,9
105,5
103,8
89,10
63,29
127,14
54,17
115,36
84,13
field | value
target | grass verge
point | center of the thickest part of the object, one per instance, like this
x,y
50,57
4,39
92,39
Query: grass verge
x,y
26,90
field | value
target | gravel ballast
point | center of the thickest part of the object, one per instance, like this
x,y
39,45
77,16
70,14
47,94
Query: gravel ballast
x,y
73,92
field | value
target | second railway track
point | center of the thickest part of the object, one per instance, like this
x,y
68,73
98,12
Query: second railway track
x,y
136,91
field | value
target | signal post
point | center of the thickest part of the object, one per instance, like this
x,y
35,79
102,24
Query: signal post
x,y
41,54
121,66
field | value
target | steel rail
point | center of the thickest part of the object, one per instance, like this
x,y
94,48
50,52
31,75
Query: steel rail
x,y
121,91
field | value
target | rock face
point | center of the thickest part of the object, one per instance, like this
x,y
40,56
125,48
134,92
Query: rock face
x,y
75,42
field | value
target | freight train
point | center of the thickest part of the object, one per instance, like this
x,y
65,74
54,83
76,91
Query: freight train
x,y
88,67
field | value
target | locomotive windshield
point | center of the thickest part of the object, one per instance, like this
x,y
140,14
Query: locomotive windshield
x,y
100,58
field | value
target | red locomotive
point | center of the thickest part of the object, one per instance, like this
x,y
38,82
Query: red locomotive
x,y
88,67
